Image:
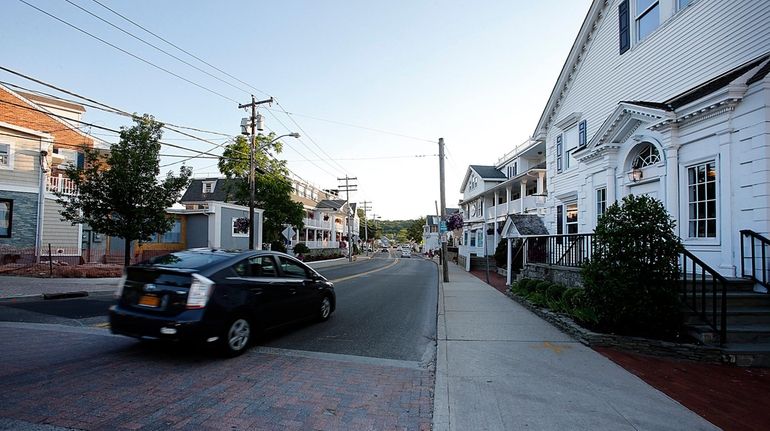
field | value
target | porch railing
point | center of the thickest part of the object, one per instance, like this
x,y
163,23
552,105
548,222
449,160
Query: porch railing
x,y
570,250
61,184
705,292
758,254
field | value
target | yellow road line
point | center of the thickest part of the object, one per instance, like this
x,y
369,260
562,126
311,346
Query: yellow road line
x,y
364,273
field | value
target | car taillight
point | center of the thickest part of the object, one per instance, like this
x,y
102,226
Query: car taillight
x,y
119,290
199,293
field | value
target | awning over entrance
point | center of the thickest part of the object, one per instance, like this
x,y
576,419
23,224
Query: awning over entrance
x,y
518,225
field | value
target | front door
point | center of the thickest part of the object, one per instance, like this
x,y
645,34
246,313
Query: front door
x,y
650,189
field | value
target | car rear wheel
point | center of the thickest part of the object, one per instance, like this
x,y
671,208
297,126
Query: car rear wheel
x,y
325,309
237,336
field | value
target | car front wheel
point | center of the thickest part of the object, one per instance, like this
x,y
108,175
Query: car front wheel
x,y
237,337
325,309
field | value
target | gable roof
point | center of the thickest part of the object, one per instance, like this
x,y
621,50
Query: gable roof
x,y
483,171
576,53
522,225
194,192
38,118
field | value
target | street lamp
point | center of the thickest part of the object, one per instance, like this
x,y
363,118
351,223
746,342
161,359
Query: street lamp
x,y
252,150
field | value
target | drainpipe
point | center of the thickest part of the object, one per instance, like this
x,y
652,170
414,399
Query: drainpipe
x,y
40,202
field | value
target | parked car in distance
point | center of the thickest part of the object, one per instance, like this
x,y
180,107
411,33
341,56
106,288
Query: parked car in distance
x,y
218,297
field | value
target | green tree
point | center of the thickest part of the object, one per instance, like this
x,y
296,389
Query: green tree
x,y
120,194
272,187
415,229
402,236
631,280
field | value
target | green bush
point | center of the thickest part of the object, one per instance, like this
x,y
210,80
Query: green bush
x,y
301,248
542,286
571,298
524,284
630,283
537,298
554,291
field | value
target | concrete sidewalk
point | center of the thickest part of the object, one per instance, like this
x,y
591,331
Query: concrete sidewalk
x,y
500,367
21,287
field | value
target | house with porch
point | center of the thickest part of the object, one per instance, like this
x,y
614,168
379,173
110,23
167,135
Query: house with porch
x,y
669,99
516,184
39,138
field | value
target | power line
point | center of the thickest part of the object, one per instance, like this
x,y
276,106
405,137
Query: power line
x,y
373,129
128,53
181,49
154,46
376,158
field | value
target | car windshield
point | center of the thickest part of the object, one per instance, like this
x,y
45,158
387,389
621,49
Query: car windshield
x,y
186,259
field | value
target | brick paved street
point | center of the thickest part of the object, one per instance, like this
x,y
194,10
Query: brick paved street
x,y
86,379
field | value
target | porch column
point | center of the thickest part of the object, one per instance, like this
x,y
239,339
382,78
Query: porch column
x,y
523,188
508,199
508,265
541,183
497,237
726,202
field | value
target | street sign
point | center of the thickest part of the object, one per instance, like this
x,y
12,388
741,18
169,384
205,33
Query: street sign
x,y
442,227
288,232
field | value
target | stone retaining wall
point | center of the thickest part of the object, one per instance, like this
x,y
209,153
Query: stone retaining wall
x,y
565,275
633,344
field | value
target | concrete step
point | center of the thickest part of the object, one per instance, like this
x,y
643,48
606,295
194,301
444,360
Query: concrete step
x,y
734,299
748,354
734,284
742,334
735,316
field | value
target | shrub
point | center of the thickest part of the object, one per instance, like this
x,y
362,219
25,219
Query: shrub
x,y
524,284
630,283
571,298
554,291
542,286
301,248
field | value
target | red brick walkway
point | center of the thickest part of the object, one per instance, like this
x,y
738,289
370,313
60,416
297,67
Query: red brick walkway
x,y
730,397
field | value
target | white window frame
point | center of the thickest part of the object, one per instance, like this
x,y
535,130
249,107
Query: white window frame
x,y
567,223
232,229
638,16
10,156
207,184
601,204
686,203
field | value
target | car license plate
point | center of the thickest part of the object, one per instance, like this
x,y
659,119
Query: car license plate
x,y
149,301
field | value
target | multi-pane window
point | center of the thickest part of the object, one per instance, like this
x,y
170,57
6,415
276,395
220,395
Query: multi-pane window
x,y
6,217
5,155
174,235
601,202
646,17
702,200
572,218
512,170
208,187
647,157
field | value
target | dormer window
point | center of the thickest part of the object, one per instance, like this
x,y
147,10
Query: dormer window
x,y
208,186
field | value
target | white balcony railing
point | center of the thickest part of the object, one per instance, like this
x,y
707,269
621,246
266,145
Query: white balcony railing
x,y
61,184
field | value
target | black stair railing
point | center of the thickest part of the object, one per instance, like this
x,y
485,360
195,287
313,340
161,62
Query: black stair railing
x,y
758,251
705,292
571,250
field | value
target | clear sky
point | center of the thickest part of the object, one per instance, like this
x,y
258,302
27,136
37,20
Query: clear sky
x,y
476,73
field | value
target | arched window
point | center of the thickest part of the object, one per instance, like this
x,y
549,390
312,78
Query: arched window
x,y
647,156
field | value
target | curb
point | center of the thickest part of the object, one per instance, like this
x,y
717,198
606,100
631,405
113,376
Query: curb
x,y
65,295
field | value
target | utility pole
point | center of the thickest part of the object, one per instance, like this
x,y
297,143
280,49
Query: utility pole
x,y
347,188
365,206
445,268
256,124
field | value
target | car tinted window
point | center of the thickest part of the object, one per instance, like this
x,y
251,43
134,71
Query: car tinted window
x,y
293,269
185,259
257,266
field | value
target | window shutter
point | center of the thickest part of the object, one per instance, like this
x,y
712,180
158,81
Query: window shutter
x,y
558,153
80,160
582,134
559,219
624,26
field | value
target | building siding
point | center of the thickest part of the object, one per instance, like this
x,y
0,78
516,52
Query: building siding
x,y
57,232
197,231
24,222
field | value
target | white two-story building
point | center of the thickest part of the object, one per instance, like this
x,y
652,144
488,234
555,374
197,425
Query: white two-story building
x,y
516,184
668,98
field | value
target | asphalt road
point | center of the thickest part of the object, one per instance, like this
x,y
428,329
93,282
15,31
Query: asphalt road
x,y
386,308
